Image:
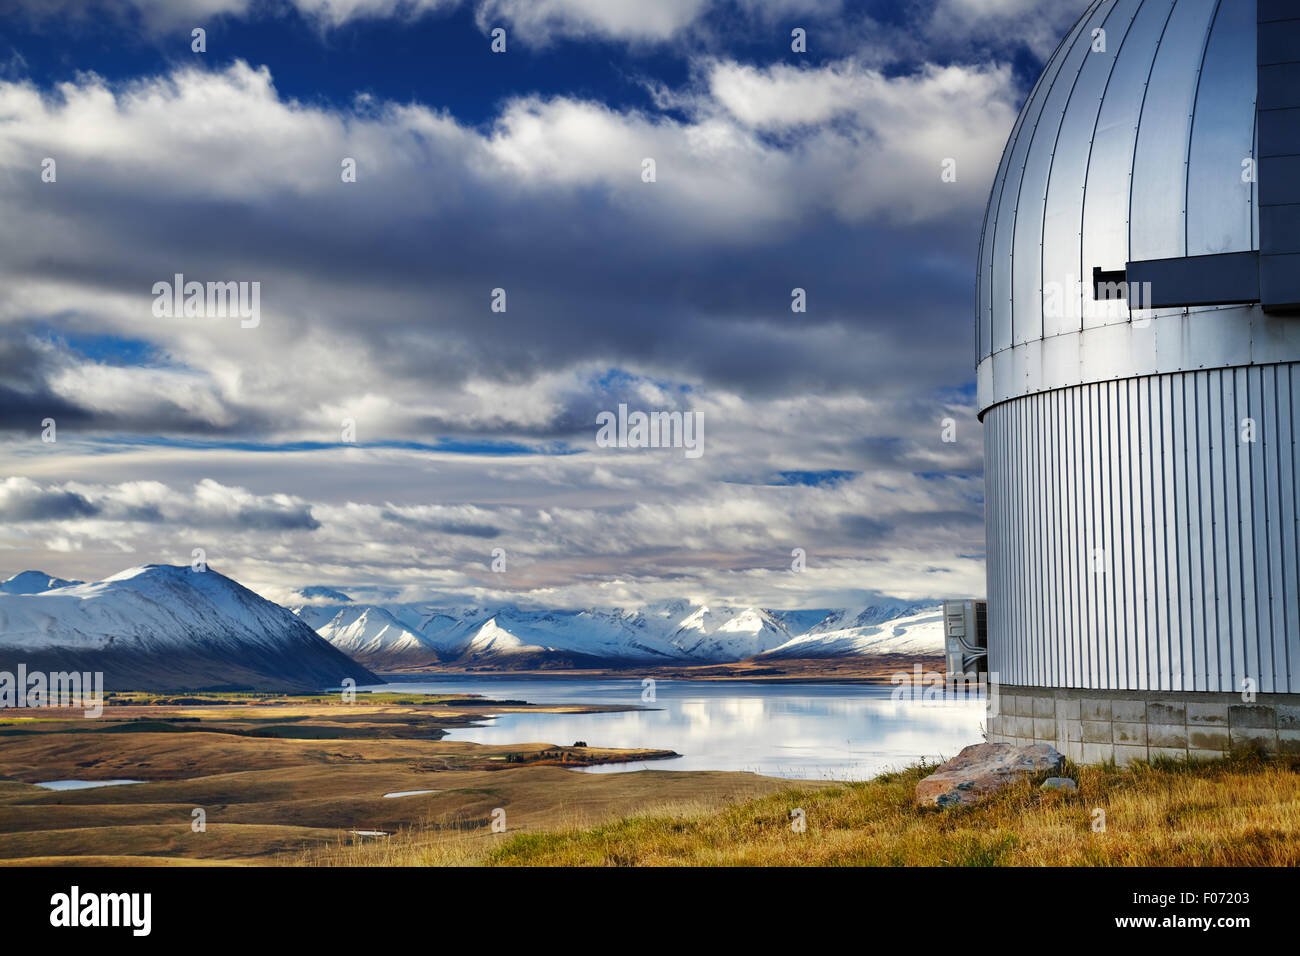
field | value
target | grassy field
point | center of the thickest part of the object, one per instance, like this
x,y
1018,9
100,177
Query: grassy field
x,y
1237,812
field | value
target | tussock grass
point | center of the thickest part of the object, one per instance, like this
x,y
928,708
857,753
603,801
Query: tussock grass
x,y
1242,811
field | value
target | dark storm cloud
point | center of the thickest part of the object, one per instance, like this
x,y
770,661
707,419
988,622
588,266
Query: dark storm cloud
x,y
865,530
672,299
207,505
31,364
274,519
443,525
25,397
19,503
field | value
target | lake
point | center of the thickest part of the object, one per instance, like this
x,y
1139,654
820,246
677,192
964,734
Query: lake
x,y
809,731
83,784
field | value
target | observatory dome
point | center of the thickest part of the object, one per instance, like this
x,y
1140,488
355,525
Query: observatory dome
x,y
1137,143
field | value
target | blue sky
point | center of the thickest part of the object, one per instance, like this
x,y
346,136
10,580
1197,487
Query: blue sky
x,y
443,56
775,171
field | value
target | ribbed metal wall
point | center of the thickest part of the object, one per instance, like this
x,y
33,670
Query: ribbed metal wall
x,y
1136,542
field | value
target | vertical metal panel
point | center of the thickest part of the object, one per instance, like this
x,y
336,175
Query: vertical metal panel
x,y
984,273
1088,516
1157,211
1005,228
1218,196
1260,526
1063,203
1110,162
1206,540
1167,584
1107,490
1035,502
1268,546
1285,594
1150,557
1249,521
1142,480
1228,552
1188,579
1027,255
1132,447
1116,641
1219,400
1201,582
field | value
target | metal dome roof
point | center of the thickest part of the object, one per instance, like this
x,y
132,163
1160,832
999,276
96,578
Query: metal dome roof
x,y
1133,145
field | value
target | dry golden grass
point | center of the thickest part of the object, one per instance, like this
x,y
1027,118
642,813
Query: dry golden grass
x,y
1237,812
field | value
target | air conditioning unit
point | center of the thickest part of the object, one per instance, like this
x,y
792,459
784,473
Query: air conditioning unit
x,y
966,637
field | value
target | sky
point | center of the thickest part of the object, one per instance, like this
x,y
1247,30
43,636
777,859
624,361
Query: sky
x,y
412,412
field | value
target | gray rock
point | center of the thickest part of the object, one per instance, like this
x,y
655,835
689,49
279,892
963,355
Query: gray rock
x,y
983,769
1059,783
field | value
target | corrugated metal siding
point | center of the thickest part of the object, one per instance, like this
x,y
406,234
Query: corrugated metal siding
x,y
1135,542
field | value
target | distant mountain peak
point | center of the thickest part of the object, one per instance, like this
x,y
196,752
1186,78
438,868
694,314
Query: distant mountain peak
x,y
33,582
317,593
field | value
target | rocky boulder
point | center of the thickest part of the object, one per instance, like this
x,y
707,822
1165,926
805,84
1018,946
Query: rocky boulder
x,y
983,769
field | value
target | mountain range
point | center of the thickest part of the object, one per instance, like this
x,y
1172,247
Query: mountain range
x,y
162,627
388,636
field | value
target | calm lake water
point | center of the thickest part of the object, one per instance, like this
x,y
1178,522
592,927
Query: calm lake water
x,y
83,784
809,731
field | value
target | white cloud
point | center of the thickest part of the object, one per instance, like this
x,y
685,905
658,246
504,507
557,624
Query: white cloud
x,y
623,19
336,12
1038,24
733,540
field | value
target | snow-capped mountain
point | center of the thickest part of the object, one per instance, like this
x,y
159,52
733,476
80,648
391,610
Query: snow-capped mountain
x,y
368,633
671,632
415,634
161,627
576,637
919,633
862,617
728,634
32,582
320,595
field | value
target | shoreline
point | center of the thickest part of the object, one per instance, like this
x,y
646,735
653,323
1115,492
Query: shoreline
x,y
879,670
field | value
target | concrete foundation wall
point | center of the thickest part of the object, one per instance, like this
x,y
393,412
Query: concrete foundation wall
x,y
1095,726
